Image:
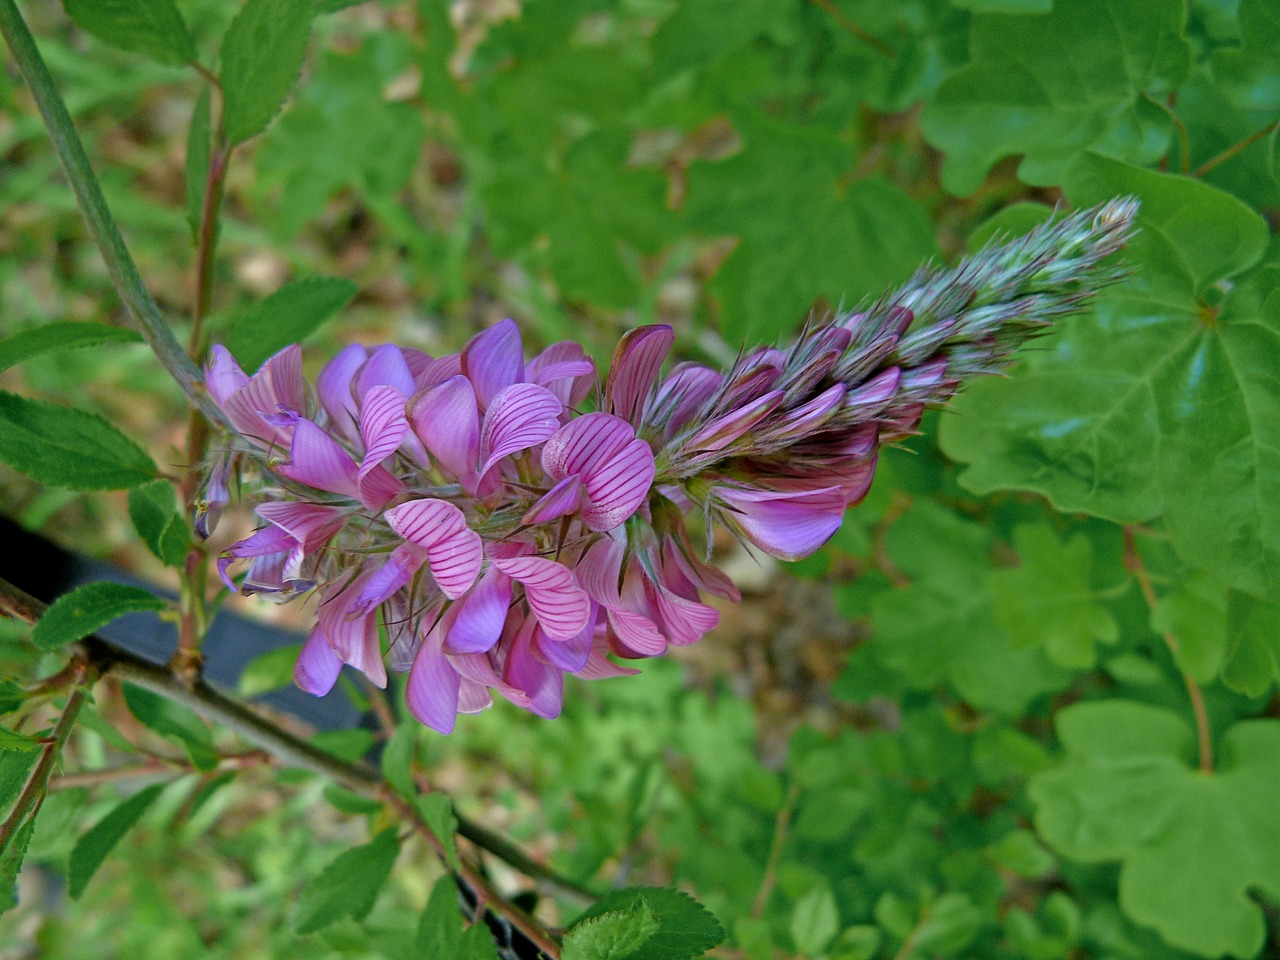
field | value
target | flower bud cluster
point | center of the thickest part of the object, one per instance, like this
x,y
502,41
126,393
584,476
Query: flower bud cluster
x,y
504,530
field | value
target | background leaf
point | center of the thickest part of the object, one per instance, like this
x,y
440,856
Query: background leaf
x,y
350,884
75,615
261,58
289,315
93,848
151,27
63,335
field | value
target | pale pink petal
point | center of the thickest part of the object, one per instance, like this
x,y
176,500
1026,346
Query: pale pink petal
x,y
473,697
634,369
455,562
386,366
600,571
638,634
722,431
519,417
565,369
264,542
438,371
553,593
494,360
583,442
317,667
682,394
683,621
617,488
222,375
789,526
431,692
561,499
378,487
311,524
481,614
600,667
405,560
334,387
353,639
316,460
877,391
703,576
446,420
808,417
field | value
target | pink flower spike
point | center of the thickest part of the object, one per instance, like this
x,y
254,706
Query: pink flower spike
x,y
454,551
432,690
316,460
519,417
561,499
877,391
565,369
554,594
446,420
383,426
334,387
481,614
311,524
789,525
494,360
634,370
317,667
262,543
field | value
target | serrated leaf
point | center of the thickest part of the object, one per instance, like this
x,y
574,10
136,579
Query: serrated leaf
x,y
616,935
1252,658
289,315
805,232
349,885
9,740
398,757
153,508
686,928
151,27
1193,847
815,920
196,164
12,696
440,926
61,335
437,811
173,722
1050,87
1048,600
268,671
262,56
14,767
93,848
63,447
11,857
75,615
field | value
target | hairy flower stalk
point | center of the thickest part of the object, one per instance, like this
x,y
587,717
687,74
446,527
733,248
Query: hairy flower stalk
x,y
502,535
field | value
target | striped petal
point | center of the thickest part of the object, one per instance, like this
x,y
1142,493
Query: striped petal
x,y
383,425
617,488
568,655
334,387
555,503
519,417
553,592
583,442
481,614
316,460
454,551
446,420
634,370
494,360
431,692
317,667
787,525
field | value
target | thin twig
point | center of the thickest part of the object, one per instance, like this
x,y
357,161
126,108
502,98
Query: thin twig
x,y
1133,563
855,31
781,827
154,767
142,309
1237,147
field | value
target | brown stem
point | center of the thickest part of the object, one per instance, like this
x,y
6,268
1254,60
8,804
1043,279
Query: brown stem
x,y
855,31
1133,563
1184,142
781,827
1235,148
154,767
909,944
280,744
380,707
37,785
206,247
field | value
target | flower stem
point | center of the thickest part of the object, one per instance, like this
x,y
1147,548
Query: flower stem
x,y
1238,147
142,309
1133,562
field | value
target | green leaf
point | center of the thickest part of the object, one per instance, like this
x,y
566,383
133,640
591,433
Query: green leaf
x,y
289,315
686,929
93,848
1048,599
349,885
1030,7
153,508
11,857
61,335
12,696
859,942
1194,848
440,926
815,920
1195,612
616,935
1091,73
151,27
397,759
196,167
1159,400
1252,660
437,811
69,448
173,722
1248,73
268,671
14,767
1021,852
805,231
9,740
700,33
262,56
75,615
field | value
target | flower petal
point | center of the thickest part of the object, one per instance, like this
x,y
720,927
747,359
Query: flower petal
x,y
481,614
432,689
494,360
383,425
311,524
317,667
568,655
405,560
277,387
446,420
541,683
634,369
519,417
553,593
386,366
334,387
555,503
583,442
222,375
786,525
454,551
315,459
617,488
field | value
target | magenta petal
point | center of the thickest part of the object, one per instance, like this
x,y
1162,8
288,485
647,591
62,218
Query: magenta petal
x,y
519,417
789,526
387,367
553,593
682,394
446,420
722,431
315,459
583,442
477,668
473,697
494,360
354,640
638,633
277,386
455,562
565,369
378,487
809,416
426,522
618,487
222,375
634,369
334,387
541,683
383,425
555,503
311,524
599,571
600,667
317,668
264,542
876,391
432,689
684,621
404,562
481,614
454,551
568,655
